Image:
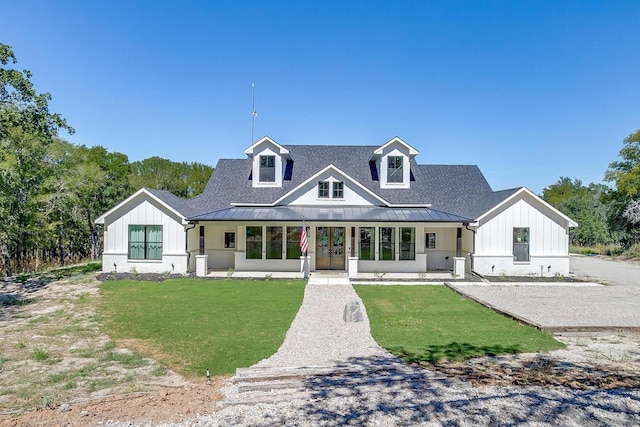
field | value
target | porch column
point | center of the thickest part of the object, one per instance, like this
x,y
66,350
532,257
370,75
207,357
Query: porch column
x,y
353,267
201,265
458,267
459,243
305,266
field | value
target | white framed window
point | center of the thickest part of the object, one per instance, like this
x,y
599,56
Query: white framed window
x,y
407,243
367,248
430,241
229,239
274,242
323,189
387,243
254,242
145,242
395,171
521,244
338,190
268,168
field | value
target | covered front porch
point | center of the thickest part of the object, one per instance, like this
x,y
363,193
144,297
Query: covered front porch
x,y
364,243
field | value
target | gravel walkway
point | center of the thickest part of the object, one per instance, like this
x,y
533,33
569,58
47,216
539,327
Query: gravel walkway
x,y
318,335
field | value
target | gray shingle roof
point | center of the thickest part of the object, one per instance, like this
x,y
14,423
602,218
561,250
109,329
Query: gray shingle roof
x,y
459,190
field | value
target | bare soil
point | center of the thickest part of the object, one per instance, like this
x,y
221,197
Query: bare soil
x,y
58,368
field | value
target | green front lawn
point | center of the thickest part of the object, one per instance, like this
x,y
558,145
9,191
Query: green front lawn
x,y
190,325
430,323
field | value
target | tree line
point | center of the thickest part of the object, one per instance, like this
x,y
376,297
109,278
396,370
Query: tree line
x,y
608,215
51,190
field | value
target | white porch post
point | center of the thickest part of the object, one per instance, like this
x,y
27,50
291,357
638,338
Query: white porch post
x,y
201,265
458,267
353,267
305,266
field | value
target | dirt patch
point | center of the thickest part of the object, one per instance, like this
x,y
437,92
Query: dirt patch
x,y
159,406
56,367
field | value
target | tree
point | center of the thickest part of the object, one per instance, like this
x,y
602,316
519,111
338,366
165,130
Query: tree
x,y
562,190
584,205
626,175
182,179
626,172
26,129
21,105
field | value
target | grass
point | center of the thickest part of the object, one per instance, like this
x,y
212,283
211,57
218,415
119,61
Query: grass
x,y
190,325
39,354
431,323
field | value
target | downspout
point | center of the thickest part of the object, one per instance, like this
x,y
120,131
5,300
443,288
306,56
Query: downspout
x,y
473,246
186,241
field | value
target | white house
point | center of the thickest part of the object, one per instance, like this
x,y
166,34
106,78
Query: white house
x,y
365,208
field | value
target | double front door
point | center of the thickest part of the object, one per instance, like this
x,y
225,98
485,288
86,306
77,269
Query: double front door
x,y
330,248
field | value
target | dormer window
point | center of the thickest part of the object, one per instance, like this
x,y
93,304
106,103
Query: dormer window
x,y
267,168
394,169
323,189
338,190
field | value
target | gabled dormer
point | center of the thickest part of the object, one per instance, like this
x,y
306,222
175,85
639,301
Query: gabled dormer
x,y
270,161
392,162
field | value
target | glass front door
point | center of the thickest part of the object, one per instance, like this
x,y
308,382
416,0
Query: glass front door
x,y
330,248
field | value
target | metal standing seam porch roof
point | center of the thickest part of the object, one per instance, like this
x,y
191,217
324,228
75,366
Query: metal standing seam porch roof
x,y
343,214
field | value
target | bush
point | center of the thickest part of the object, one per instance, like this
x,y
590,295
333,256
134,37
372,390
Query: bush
x,y
633,251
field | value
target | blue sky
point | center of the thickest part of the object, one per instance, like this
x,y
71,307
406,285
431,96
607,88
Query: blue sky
x,y
527,90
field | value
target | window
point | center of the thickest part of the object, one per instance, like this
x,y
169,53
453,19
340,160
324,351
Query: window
x,y
430,241
323,189
145,242
229,239
254,242
367,251
274,242
387,243
407,243
521,244
293,242
338,190
267,168
394,169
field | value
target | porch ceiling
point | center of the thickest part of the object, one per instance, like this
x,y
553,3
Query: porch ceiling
x,y
340,214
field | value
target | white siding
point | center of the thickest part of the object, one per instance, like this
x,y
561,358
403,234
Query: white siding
x,y
308,194
141,211
548,240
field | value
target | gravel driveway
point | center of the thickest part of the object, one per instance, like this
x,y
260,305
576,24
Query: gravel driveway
x,y
566,306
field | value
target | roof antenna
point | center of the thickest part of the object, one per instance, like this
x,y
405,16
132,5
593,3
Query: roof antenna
x,y
254,113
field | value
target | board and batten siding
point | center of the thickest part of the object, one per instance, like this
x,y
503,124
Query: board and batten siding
x,y
174,256
548,241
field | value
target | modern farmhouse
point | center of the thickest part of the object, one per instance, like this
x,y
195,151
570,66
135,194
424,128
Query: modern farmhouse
x,y
364,209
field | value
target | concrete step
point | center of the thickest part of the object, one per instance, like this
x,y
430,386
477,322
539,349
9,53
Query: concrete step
x,y
271,385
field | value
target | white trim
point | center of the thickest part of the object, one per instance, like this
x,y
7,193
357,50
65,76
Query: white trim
x,y
412,151
571,223
337,170
249,151
101,218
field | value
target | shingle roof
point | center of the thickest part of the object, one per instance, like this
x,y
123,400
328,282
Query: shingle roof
x,y
459,190
180,205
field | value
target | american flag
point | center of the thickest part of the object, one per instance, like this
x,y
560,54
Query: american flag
x,y
304,242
